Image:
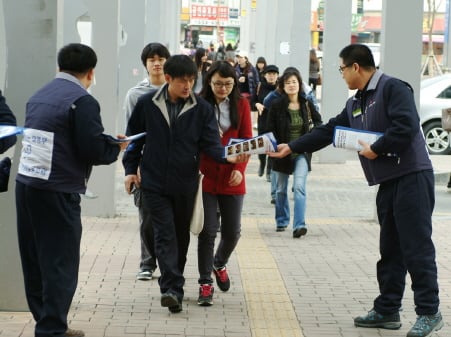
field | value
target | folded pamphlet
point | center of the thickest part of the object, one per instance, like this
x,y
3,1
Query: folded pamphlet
x,y
10,130
258,145
126,139
348,138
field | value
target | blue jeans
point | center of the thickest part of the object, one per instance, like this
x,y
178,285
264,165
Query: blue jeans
x,y
273,184
299,188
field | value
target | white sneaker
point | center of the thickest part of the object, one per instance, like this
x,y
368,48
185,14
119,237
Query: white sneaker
x,y
144,275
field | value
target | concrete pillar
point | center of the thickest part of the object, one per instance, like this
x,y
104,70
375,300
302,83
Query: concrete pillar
x,y
30,36
132,31
284,42
104,15
265,39
393,54
337,34
163,23
300,37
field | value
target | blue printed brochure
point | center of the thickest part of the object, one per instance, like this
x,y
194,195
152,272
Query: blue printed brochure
x,y
10,130
348,138
258,145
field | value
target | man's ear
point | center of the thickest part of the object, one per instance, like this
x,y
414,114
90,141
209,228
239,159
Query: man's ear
x,y
167,78
90,75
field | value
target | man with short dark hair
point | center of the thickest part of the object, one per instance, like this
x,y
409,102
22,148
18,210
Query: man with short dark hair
x,y
153,57
399,163
63,139
179,126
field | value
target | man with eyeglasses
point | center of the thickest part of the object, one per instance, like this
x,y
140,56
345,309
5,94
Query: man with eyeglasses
x,y
398,161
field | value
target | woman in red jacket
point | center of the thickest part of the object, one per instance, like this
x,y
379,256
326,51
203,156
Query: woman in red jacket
x,y
223,184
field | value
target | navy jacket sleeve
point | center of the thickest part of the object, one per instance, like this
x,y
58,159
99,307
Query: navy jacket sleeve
x,y
133,153
91,144
320,136
6,118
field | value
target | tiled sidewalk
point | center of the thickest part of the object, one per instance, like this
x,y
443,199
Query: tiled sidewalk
x,y
281,286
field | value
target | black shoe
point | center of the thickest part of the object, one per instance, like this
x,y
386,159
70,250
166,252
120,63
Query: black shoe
x,y
273,201
375,320
74,333
261,170
171,301
298,232
449,184
280,229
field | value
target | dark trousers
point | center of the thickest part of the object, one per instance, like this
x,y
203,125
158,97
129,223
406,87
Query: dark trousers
x,y
49,231
404,208
230,207
148,260
171,216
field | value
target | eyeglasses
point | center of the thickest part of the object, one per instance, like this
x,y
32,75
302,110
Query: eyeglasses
x,y
219,85
342,68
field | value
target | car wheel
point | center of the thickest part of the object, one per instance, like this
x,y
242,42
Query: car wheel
x,y
437,139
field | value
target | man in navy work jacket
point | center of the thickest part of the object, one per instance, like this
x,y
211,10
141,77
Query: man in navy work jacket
x,y
398,161
6,118
179,126
62,141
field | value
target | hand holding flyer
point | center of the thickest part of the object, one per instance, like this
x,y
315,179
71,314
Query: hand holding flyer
x,y
348,138
126,139
257,145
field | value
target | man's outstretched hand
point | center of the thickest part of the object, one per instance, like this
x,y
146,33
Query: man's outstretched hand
x,y
283,150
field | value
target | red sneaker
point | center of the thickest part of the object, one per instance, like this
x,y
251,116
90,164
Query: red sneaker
x,y
222,278
205,295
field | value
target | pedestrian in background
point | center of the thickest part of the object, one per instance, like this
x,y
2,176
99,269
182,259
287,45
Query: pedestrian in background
x,y
62,141
399,163
267,84
153,57
290,117
260,65
248,78
314,71
223,184
200,58
179,126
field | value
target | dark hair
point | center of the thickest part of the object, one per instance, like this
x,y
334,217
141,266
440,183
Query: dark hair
x,y
152,49
223,69
287,73
200,52
180,66
261,59
76,58
357,53
290,71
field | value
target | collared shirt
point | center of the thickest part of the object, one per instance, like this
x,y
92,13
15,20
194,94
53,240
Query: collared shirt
x,y
174,108
222,112
69,77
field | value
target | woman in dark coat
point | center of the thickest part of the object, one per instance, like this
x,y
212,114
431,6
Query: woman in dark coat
x,y
291,116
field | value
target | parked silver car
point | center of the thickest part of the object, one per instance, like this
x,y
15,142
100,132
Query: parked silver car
x,y
435,95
